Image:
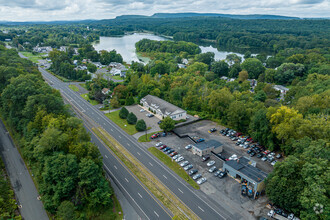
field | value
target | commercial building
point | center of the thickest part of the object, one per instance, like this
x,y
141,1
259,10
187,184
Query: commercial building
x,y
206,147
162,108
243,170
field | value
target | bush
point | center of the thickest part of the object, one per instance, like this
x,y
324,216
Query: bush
x,y
123,113
141,125
131,118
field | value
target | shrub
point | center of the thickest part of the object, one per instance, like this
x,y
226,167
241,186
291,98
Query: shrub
x,y
123,113
141,125
131,118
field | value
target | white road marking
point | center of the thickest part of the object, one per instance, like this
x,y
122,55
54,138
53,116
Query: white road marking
x,y
180,190
119,136
128,144
126,180
138,153
115,167
111,129
140,195
164,176
151,164
200,208
106,156
156,214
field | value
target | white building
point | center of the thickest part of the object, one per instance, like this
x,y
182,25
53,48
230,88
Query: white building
x,y
162,108
280,88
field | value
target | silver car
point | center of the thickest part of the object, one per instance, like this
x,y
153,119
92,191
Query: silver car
x,y
210,163
188,167
198,175
212,169
201,181
184,163
179,159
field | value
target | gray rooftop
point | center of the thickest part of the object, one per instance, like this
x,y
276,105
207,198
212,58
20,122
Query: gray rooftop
x,y
207,144
242,165
164,106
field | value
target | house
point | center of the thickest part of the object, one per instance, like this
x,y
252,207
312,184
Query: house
x,y
63,48
243,170
75,62
86,61
224,78
206,147
7,39
97,64
119,67
115,72
185,61
280,88
181,66
42,49
105,91
162,108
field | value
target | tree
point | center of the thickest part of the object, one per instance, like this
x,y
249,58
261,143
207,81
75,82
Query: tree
x,y
167,124
254,67
141,125
91,67
66,211
243,75
123,113
233,58
221,68
131,118
129,99
206,58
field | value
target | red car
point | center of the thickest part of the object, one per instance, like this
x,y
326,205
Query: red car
x,y
266,152
154,136
173,154
162,147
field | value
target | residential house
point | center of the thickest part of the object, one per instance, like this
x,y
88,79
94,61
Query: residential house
x,y
181,66
105,91
162,108
280,88
119,67
185,61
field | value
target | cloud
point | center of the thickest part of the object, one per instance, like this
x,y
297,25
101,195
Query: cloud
x,y
104,9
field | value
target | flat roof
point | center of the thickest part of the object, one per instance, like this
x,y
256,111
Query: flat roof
x,y
242,165
208,144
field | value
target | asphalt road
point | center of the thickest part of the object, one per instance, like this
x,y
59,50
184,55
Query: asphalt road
x,y
201,206
24,188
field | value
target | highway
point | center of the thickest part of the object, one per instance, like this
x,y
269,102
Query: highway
x,y
201,206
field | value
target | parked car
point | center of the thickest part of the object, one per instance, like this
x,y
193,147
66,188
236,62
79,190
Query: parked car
x,y
200,140
212,130
222,174
201,181
184,163
159,144
159,122
271,159
189,146
217,173
198,175
246,146
278,156
260,155
212,169
264,158
205,158
249,151
173,154
170,151
272,154
162,147
149,115
252,154
179,159
188,167
234,138
154,136
210,163
142,110
266,152
273,163
164,134
192,172
176,156
166,149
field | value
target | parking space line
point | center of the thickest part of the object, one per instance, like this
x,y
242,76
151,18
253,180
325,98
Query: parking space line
x,y
106,156
126,180
164,176
200,208
138,153
151,164
115,167
140,195
180,190
156,214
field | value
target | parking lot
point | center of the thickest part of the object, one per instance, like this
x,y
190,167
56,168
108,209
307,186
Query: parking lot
x,y
225,191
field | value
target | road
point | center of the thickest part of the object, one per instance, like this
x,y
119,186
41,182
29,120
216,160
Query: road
x,y
200,205
24,188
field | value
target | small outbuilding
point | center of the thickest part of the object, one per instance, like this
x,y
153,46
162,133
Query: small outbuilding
x,y
206,147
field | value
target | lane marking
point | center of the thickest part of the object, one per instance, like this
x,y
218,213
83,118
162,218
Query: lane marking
x,y
138,153
164,176
156,214
128,144
151,164
115,167
140,195
126,180
200,208
106,156
119,136
180,190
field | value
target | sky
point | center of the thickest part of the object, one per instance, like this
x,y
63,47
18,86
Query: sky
x,y
51,10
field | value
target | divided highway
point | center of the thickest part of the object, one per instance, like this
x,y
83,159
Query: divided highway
x,y
202,208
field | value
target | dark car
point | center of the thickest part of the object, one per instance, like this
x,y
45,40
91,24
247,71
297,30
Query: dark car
x,y
159,122
192,172
222,174
212,130
170,151
252,153
205,158
200,140
166,149
260,155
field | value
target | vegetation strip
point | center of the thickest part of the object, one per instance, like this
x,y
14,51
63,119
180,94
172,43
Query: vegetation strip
x,y
173,166
122,123
74,88
154,185
143,138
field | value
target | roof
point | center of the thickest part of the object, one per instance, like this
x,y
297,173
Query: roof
x,y
281,87
165,107
208,144
242,165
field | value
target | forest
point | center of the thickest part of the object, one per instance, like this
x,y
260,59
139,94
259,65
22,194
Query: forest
x,y
66,165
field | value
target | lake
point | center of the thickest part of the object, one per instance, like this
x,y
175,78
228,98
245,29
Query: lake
x,y
125,45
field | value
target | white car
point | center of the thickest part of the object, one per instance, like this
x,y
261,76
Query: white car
x,y
188,147
210,163
188,167
264,158
198,175
201,181
184,163
159,144
176,156
274,162
212,169
142,110
179,159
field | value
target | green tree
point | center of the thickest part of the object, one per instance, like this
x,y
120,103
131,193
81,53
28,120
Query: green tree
x,y
254,67
129,99
243,75
66,211
123,113
168,124
91,67
221,68
141,125
131,118
206,58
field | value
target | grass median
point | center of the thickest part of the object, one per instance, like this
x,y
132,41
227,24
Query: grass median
x,y
173,166
74,88
33,57
170,201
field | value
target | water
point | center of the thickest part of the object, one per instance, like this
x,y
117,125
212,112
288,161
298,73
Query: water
x,y
125,45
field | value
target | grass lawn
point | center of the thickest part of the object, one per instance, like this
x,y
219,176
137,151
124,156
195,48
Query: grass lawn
x,y
83,85
93,102
122,123
143,137
33,58
173,166
117,78
74,88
